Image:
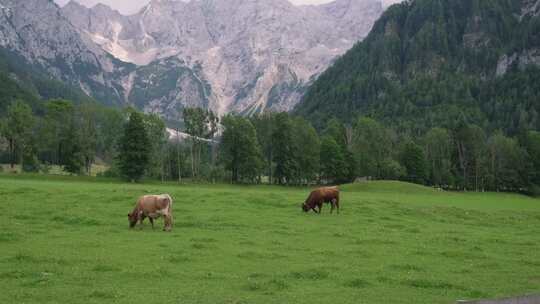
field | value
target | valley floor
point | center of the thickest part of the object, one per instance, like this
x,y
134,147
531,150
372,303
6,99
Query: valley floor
x,y
67,241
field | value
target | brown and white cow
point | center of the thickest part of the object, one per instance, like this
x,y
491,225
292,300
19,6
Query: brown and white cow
x,y
319,196
153,207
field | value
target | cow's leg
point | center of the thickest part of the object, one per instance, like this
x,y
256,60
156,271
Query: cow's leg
x,y
337,204
319,206
333,205
170,220
167,219
141,219
151,222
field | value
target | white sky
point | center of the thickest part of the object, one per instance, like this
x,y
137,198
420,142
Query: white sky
x,y
132,6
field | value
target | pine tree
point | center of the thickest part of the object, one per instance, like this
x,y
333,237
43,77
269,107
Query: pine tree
x,y
134,148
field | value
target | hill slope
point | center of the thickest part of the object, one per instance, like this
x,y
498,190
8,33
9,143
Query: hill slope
x,y
433,63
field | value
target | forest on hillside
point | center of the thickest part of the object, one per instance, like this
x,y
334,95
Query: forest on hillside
x,y
433,63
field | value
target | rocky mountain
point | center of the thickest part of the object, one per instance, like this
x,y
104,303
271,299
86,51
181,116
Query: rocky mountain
x,y
241,56
36,32
430,63
229,55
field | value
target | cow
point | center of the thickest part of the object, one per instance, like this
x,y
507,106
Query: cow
x,y
322,195
153,207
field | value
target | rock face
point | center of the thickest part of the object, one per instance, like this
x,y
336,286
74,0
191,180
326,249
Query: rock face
x,y
243,56
37,31
530,55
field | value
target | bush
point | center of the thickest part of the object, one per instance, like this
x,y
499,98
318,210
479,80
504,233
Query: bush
x,y
392,170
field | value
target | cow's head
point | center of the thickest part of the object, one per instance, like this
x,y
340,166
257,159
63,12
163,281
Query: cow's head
x,y
132,218
305,207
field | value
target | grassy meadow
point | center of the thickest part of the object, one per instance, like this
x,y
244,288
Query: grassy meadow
x,y
66,240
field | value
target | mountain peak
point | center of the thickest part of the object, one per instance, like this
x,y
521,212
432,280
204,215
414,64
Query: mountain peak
x,y
99,8
74,4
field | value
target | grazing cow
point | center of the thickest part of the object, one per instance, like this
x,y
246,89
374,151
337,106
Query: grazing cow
x,y
153,207
322,195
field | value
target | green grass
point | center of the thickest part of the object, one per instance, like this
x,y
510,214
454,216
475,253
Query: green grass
x,y
66,240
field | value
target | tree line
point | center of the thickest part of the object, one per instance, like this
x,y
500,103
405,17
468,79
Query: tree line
x,y
288,150
276,148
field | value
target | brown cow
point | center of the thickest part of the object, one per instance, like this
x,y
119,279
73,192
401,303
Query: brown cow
x,y
322,195
153,207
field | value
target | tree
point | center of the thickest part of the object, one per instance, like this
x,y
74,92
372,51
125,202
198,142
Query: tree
x,y
438,146
212,122
371,145
58,124
87,126
343,137
109,129
470,142
284,150
414,162
178,156
532,145
264,126
392,170
17,129
74,159
174,159
69,136
337,131
307,149
134,148
506,163
201,125
240,151
333,165
157,134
